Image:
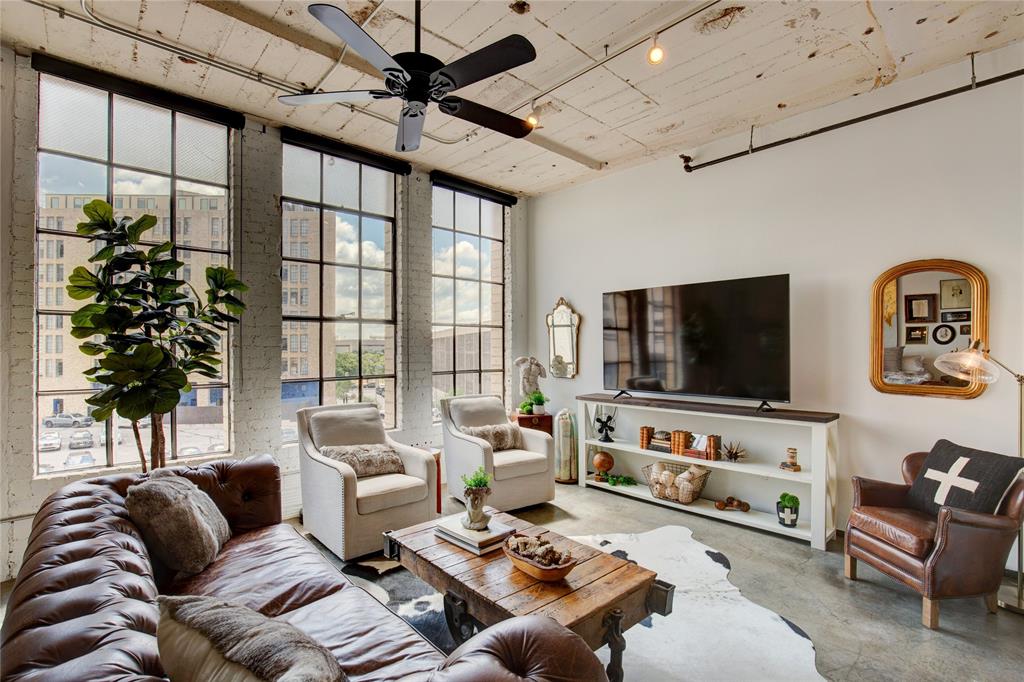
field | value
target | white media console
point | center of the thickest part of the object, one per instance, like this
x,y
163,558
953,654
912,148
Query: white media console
x,y
756,479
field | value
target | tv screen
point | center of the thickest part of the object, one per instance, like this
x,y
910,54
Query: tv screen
x,y
727,339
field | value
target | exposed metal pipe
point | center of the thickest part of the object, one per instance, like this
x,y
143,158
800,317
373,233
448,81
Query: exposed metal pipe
x,y
621,51
689,167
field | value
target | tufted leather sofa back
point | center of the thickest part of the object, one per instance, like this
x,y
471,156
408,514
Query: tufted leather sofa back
x,y
83,605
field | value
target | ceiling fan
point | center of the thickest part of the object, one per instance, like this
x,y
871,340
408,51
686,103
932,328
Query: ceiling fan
x,y
419,78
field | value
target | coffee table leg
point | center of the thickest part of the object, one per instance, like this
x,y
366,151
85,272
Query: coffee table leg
x,y
461,625
616,642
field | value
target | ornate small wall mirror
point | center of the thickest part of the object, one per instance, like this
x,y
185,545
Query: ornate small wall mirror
x,y
920,310
563,340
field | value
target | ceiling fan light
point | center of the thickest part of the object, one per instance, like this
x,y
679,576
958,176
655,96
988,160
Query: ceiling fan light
x,y
656,54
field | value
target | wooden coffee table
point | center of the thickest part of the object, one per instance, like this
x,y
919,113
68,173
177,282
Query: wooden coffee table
x,y
599,600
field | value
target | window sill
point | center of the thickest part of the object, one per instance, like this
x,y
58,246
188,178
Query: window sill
x,y
72,475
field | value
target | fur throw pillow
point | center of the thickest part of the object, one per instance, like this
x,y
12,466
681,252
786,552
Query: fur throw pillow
x,y
500,436
203,638
181,525
367,460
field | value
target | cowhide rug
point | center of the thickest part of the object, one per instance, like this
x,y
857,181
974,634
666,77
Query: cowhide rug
x,y
713,632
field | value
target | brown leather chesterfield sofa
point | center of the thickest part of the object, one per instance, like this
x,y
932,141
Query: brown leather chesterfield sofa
x,y
957,554
83,606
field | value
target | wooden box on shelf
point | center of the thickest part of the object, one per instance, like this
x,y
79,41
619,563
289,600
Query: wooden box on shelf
x,y
540,422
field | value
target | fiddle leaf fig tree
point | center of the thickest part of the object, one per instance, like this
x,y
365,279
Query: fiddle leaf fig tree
x,y
149,330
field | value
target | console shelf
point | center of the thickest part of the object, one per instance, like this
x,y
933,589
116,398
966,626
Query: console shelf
x,y
757,479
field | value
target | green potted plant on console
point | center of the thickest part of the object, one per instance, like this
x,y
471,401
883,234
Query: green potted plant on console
x,y
788,510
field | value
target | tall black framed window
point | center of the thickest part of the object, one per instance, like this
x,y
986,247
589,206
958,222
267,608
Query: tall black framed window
x,y
337,284
468,295
100,144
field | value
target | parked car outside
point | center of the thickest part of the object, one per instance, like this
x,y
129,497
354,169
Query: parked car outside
x,y
50,440
103,438
66,419
45,468
81,439
188,452
79,460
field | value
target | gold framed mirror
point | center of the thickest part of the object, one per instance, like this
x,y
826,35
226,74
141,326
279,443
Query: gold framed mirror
x,y
920,310
563,340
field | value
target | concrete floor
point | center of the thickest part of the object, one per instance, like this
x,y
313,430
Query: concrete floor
x,y
864,630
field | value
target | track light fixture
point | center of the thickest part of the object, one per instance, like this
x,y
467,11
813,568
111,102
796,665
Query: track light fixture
x,y
656,54
533,118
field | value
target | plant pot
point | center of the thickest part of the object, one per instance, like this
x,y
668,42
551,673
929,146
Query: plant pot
x,y
787,515
538,409
476,518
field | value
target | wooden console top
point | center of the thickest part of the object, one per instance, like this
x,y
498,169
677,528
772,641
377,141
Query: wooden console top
x,y
712,408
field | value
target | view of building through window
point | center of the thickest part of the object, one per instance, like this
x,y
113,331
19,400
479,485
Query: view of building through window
x,y
337,285
468,295
97,145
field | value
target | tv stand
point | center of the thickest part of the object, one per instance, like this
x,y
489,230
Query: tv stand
x,y
764,432
765,407
621,393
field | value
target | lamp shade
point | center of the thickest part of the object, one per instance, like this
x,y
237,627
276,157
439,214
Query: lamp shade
x,y
969,365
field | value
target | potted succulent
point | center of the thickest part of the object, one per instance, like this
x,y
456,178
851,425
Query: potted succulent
x,y
526,407
477,488
537,400
788,509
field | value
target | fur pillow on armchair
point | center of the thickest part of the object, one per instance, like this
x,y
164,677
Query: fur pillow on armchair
x,y
367,460
500,436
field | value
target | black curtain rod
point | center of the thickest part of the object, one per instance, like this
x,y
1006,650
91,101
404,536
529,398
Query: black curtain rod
x,y
442,179
44,63
690,167
344,150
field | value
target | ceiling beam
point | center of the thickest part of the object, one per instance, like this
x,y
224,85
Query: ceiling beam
x,y
333,51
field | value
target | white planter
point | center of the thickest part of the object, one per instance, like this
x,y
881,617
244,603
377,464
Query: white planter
x,y
538,409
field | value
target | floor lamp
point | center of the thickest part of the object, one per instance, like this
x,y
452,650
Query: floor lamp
x,y
975,364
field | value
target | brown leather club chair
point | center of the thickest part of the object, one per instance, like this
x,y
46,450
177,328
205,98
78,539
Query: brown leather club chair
x,y
959,553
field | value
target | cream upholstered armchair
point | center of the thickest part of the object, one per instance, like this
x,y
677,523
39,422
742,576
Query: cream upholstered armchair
x,y
519,477
349,514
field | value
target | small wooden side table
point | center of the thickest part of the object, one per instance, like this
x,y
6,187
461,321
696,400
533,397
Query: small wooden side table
x,y
540,422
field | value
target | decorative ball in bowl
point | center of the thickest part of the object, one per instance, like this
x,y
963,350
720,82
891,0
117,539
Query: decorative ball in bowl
x,y
538,558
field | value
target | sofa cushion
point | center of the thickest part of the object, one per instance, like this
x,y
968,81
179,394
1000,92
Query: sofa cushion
x,y
371,643
955,476
377,493
515,463
181,525
477,411
272,570
506,436
347,426
205,638
910,530
366,460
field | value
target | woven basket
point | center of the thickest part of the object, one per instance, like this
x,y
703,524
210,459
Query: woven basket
x,y
687,492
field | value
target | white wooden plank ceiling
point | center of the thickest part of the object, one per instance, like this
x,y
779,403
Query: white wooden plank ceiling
x,y
734,65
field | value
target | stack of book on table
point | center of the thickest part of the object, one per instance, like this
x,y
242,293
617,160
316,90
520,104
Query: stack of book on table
x,y
476,541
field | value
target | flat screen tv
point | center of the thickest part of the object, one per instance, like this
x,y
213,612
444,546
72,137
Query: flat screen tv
x,y
727,339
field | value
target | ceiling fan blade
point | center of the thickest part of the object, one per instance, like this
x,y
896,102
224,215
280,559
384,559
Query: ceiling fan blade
x,y
485,116
357,39
505,54
341,97
410,129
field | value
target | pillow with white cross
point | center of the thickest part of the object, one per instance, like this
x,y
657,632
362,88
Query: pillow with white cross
x,y
965,478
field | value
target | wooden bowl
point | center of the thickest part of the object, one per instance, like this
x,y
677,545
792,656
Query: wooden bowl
x,y
548,574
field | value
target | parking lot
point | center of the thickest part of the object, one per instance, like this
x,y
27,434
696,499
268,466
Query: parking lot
x,y
64,448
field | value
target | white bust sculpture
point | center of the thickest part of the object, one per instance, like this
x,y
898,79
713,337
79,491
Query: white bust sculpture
x,y
530,370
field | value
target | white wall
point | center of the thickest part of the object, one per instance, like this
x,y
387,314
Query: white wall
x,y
943,180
